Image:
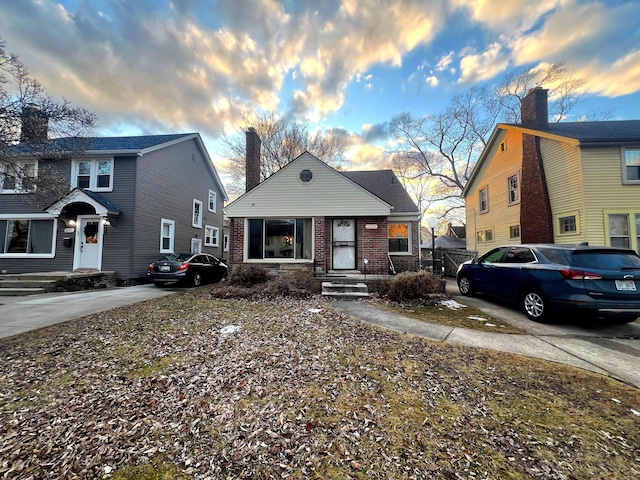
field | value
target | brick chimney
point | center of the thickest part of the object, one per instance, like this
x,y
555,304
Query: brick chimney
x,y
252,159
536,219
35,125
534,110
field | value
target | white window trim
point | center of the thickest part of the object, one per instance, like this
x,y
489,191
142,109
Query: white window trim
x,y
215,201
517,200
486,190
409,239
32,217
20,164
216,238
624,166
172,233
197,224
93,177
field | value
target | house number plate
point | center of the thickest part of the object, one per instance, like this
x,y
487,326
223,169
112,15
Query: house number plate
x,y
625,285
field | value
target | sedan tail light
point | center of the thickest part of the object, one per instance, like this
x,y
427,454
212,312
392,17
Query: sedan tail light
x,y
571,274
183,266
151,267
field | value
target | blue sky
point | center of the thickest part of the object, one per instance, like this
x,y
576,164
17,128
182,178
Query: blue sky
x,y
152,66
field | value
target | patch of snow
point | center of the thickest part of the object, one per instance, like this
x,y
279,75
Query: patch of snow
x,y
489,325
229,329
635,412
452,304
615,400
315,310
480,319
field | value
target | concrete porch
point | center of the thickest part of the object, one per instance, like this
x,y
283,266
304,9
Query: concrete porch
x,y
17,284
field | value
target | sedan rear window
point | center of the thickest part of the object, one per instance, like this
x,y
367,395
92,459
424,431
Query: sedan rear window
x,y
606,260
175,257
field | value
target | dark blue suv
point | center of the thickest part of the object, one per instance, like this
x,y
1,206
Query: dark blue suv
x,y
547,280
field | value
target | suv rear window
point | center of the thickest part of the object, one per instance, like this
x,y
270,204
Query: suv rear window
x,y
606,260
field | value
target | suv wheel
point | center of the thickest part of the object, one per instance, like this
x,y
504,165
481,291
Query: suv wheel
x,y
464,285
535,305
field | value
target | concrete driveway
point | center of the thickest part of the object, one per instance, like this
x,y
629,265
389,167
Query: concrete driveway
x,y
21,314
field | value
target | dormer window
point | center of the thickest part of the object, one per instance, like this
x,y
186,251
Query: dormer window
x,y
95,175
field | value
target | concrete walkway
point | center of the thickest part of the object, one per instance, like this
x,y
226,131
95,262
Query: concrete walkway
x,y
613,351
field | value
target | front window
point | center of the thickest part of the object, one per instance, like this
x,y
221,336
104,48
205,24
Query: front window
x,y
514,231
632,165
197,214
26,237
398,238
95,175
280,238
16,177
167,231
211,235
514,189
483,195
212,201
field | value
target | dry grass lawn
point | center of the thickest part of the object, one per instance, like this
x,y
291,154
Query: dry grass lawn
x,y
195,386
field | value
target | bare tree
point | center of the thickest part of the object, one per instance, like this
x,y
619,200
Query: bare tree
x,y
35,127
282,141
447,145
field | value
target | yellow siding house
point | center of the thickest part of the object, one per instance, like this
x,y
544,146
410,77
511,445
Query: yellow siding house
x,y
565,183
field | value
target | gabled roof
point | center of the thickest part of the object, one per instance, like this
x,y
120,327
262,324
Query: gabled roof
x,y
140,144
385,185
101,205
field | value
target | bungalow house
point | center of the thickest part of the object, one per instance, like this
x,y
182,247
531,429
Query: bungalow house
x,y
309,215
565,183
130,200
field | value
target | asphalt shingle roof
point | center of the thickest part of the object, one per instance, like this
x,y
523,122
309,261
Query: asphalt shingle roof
x,y
606,131
385,185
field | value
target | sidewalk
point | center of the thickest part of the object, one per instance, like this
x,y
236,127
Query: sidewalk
x,y
614,357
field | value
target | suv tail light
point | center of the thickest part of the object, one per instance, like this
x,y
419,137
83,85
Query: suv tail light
x,y
571,274
183,266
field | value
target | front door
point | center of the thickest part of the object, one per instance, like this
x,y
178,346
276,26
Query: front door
x,y
88,250
344,244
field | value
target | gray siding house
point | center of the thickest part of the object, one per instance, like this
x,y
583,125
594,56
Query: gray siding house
x,y
130,200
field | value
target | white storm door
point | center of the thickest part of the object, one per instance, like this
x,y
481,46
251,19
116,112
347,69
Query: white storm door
x,y
344,244
88,250
196,245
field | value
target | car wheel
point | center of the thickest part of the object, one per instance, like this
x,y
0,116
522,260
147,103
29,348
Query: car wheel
x,y
196,280
464,285
535,306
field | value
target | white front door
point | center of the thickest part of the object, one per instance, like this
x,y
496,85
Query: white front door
x,y
196,245
344,244
88,249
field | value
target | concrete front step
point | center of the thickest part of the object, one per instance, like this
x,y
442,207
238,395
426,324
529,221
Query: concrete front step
x,y
19,292
345,290
46,282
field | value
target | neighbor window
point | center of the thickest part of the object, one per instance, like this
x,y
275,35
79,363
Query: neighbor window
x,y
225,244
631,165
211,236
213,197
514,231
197,214
637,215
568,224
16,177
398,238
95,175
514,189
483,236
167,232
483,195
619,230
503,145
26,237
280,238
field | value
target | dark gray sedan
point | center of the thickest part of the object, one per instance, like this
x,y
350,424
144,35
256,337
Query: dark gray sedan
x,y
191,269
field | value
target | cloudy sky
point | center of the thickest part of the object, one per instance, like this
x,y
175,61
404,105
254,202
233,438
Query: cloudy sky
x,y
158,66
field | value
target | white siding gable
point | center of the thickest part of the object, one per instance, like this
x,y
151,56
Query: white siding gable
x,y
329,193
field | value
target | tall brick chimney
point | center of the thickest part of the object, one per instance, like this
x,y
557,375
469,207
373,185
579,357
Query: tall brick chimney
x,y
35,125
536,218
252,159
534,109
